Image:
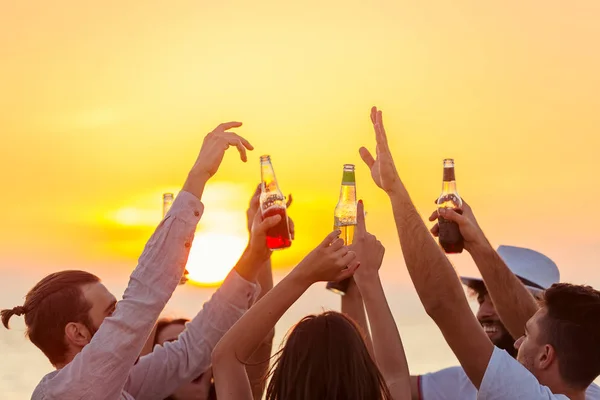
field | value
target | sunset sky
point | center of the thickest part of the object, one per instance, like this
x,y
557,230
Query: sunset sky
x,y
105,105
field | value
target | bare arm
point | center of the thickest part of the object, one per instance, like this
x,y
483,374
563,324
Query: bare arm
x,y
258,364
387,345
514,304
353,306
326,262
432,274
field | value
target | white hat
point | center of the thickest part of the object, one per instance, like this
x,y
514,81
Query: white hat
x,y
535,270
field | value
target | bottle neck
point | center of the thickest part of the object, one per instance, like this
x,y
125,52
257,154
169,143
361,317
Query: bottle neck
x,y
348,188
449,187
449,183
269,182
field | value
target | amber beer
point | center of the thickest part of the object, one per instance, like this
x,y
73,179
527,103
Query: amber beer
x,y
450,237
344,219
167,203
272,202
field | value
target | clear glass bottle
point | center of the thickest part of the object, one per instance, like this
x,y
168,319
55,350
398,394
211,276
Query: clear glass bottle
x,y
344,218
272,202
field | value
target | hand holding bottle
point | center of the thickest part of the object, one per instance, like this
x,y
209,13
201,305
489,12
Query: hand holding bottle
x,y
254,207
467,223
383,170
329,261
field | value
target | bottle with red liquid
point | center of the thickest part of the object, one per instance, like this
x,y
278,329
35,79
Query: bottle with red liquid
x,y
344,219
450,237
272,202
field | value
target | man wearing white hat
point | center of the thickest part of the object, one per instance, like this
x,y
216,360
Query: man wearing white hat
x,y
537,272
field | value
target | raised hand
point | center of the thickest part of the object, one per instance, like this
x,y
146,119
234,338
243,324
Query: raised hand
x,y
467,223
214,146
254,207
329,261
368,249
383,170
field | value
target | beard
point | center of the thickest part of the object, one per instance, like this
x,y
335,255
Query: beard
x,y
506,342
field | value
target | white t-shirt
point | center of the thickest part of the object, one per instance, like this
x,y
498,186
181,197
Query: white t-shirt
x,y
505,378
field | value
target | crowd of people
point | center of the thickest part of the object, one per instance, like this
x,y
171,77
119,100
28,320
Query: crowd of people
x,y
532,337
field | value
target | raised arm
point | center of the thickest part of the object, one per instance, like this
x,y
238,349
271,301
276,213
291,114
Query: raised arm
x,y
326,262
258,364
387,345
101,369
179,362
353,306
432,274
514,304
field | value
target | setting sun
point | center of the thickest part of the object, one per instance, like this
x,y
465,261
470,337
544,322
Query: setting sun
x,y
212,256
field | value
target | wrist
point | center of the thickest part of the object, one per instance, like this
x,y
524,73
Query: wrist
x,y
480,247
248,266
396,187
195,183
301,277
368,280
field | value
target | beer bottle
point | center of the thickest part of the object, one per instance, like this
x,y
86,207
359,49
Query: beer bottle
x,y
450,237
344,218
272,202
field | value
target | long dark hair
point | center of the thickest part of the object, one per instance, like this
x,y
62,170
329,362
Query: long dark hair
x,y
325,357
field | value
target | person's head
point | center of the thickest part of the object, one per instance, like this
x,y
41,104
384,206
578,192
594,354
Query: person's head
x,y
62,313
325,357
168,330
560,345
489,319
535,270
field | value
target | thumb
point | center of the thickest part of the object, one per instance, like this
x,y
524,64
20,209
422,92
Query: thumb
x,y
366,157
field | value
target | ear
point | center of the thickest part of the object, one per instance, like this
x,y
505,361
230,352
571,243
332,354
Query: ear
x,y
77,334
547,357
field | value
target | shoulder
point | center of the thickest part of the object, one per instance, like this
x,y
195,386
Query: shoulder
x,y
39,393
592,392
505,377
448,383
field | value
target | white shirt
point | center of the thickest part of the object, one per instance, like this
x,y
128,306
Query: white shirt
x,y
452,383
106,368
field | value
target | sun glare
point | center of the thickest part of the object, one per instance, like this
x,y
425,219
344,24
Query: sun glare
x,y
212,256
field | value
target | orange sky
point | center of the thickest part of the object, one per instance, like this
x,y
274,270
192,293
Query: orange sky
x,y
105,105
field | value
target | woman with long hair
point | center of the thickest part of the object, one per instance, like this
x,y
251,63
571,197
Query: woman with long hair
x,y
325,356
